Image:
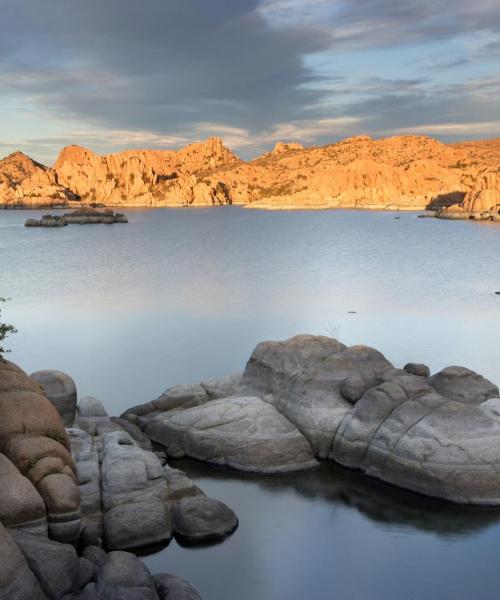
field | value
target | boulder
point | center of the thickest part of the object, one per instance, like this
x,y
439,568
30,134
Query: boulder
x,y
17,581
37,568
302,377
244,433
418,369
463,385
134,494
55,565
20,503
438,435
124,577
33,439
406,433
200,519
60,389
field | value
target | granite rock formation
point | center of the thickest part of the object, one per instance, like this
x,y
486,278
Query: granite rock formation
x,y
25,183
72,501
37,568
396,173
40,491
434,434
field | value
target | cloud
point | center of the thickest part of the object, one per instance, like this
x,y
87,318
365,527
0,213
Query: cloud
x,y
112,74
475,128
389,22
156,62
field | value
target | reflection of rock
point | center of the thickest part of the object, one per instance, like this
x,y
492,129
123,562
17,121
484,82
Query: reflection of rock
x,y
375,499
436,435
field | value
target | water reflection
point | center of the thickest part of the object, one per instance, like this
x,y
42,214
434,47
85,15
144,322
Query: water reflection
x,y
378,501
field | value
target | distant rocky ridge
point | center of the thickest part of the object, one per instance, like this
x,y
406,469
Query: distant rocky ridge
x,y
396,173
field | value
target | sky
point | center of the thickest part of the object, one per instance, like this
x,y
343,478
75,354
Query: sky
x,y
118,74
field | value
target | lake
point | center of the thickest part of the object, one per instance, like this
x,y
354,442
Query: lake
x,y
179,295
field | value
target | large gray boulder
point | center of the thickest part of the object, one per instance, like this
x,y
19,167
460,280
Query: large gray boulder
x,y
406,433
60,389
303,376
134,494
124,493
438,435
244,433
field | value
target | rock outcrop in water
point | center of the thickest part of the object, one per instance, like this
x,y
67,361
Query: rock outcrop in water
x,y
438,435
82,216
71,501
481,204
397,173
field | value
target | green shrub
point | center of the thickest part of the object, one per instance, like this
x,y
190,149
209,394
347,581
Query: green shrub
x,y
5,331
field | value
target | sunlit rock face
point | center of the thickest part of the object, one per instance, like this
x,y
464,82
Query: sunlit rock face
x,y
481,203
397,173
26,183
434,434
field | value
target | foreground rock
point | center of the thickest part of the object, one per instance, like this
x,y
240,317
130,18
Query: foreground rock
x,y
36,568
438,435
78,217
128,496
39,491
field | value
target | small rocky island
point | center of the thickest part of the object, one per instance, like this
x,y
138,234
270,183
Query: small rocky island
x,y
81,216
80,489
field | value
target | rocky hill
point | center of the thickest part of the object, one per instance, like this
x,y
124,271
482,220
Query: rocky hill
x,y
403,173
25,183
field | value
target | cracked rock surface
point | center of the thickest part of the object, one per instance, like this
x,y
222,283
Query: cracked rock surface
x,y
434,434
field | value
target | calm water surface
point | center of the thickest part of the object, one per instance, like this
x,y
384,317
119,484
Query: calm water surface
x,y
181,295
